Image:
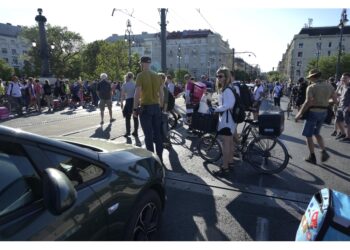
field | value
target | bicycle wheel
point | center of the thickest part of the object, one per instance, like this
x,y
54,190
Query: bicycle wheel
x,y
267,155
172,120
209,148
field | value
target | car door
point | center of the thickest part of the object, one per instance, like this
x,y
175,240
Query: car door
x,y
23,215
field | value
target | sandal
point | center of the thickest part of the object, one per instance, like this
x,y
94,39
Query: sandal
x,y
221,172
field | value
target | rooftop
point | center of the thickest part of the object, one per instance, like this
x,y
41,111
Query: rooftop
x,y
324,31
9,30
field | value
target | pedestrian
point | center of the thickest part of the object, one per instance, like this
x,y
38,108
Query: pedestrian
x,y
38,92
104,92
301,94
147,103
314,108
15,95
189,88
127,94
226,125
165,116
343,111
258,95
48,95
277,90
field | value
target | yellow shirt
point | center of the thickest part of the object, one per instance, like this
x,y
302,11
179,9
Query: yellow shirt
x,y
320,92
2,89
150,83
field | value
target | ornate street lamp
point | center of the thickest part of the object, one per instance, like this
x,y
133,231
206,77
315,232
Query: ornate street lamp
x,y
179,56
318,46
129,37
343,21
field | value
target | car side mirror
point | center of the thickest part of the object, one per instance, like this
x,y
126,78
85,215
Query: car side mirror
x,y
59,192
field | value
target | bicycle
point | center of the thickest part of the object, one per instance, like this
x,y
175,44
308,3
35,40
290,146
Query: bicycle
x,y
261,152
290,105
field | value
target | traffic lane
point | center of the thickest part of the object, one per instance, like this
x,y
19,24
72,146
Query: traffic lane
x,y
205,213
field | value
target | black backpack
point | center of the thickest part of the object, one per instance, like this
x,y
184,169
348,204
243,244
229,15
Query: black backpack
x,y
245,95
171,102
238,110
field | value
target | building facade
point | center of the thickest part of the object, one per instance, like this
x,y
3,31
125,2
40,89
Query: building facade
x,y
197,51
12,46
310,44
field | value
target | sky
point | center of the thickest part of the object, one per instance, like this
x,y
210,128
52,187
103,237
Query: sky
x,y
263,27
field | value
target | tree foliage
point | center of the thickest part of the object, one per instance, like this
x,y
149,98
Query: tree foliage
x,y
64,56
6,71
327,65
273,76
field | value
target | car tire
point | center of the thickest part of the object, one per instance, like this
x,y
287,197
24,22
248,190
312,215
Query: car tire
x,y
144,223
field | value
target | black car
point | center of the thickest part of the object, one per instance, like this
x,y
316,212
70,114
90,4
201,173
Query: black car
x,y
77,189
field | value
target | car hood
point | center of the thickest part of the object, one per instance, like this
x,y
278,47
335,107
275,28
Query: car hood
x,y
124,152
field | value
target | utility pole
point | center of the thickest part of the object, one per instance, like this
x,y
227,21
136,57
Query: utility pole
x,y
44,52
233,59
163,38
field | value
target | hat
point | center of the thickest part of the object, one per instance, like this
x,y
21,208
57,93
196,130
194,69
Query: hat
x,y
314,73
145,59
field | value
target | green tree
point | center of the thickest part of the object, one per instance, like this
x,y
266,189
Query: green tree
x,y
179,75
273,76
6,71
327,65
113,60
64,56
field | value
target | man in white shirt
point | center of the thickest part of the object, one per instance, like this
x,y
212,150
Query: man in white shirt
x,y
15,95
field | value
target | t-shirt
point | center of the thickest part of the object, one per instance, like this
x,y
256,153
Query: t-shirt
x,y
150,83
258,91
344,99
104,89
320,92
129,89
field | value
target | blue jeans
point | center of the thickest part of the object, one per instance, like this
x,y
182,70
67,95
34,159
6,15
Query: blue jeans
x,y
313,123
150,119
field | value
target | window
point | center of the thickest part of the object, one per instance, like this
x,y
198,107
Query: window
x,y
20,184
298,63
4,50
15,60
329,44
14,52
300,54
6,59
77,170
329,53
300,45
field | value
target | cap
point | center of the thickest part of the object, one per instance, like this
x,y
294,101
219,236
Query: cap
x,y
103,76
145,59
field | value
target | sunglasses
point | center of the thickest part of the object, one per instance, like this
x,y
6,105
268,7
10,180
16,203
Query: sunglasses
x,y
220,76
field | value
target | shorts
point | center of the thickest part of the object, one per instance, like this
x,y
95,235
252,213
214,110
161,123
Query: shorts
x,y
225,131
313,123
103,103
343,116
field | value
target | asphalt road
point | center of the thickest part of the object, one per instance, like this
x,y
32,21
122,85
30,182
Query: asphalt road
x,y
244,206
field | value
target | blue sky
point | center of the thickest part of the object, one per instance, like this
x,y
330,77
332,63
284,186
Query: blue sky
x,y
263,27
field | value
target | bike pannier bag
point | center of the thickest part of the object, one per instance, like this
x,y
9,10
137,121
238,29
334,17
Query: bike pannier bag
x,y
206,123
198,91
271,121
326,218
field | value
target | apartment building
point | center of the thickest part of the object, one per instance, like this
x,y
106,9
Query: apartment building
x,y
312,43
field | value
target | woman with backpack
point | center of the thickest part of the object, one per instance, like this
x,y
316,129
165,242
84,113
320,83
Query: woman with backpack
x,y
226,125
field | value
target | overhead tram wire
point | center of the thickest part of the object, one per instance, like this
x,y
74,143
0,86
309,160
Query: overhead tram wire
x,y
131,15
199,12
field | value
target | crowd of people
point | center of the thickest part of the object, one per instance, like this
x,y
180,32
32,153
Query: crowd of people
x,y
149,97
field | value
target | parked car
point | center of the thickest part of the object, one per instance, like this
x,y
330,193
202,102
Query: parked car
x,y
77,189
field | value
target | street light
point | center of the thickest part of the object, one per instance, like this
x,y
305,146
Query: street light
x,y
129,37
240,52
343,21
179,57
318,46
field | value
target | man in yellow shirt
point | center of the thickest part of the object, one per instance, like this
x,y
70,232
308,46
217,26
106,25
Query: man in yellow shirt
x,y
148,101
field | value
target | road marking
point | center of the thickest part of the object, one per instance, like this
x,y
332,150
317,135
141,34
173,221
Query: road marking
x,y
262,229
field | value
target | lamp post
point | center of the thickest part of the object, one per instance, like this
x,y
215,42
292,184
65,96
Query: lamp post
x,y
318,46
239,52
179,57
129,37
44,52
343,21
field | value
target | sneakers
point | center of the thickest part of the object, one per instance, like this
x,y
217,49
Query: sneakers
x,y
334,133
111,120
126,135
135,134
340,136
311,159
345,139
324,156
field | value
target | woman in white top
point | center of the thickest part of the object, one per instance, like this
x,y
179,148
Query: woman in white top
x,y
226,125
